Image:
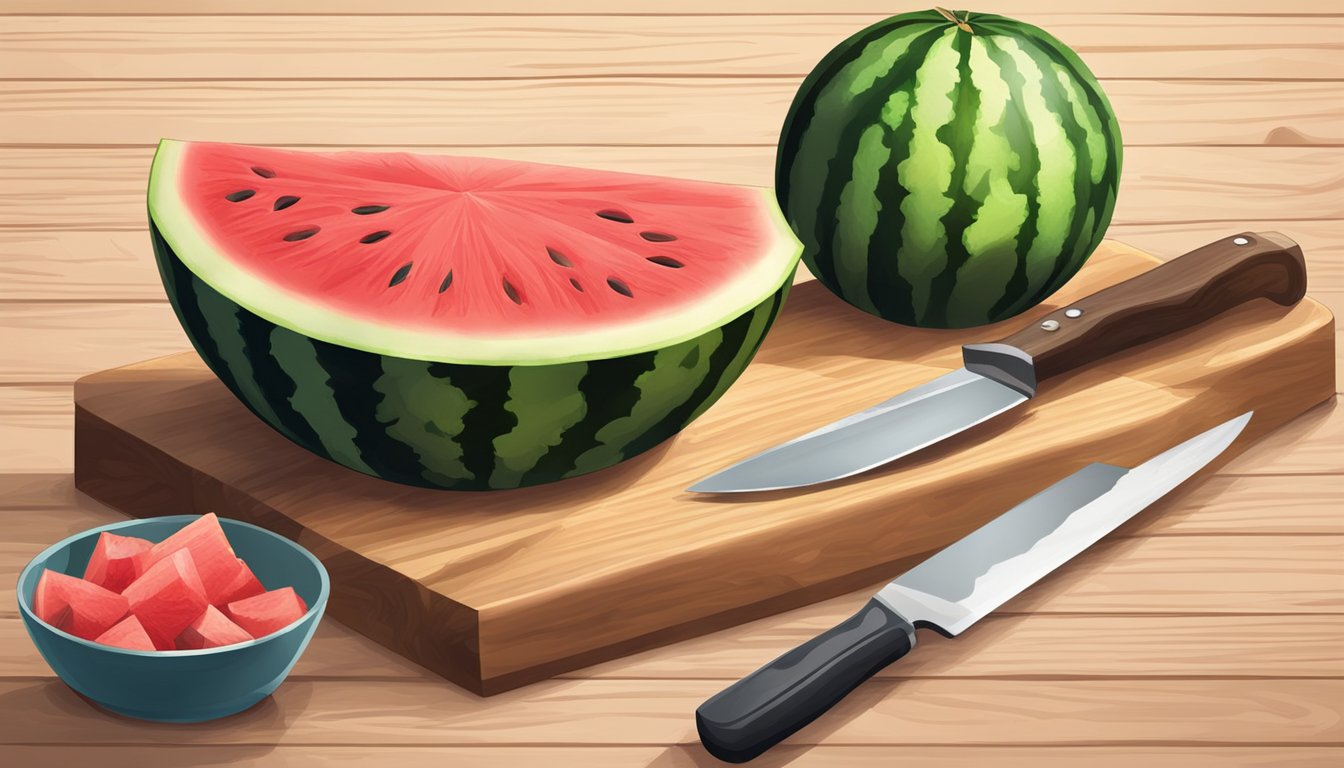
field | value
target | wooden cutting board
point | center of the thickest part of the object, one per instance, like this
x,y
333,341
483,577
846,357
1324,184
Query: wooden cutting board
x,y
495,590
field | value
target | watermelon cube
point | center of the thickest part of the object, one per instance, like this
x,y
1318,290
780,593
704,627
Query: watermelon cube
x,y
244,585
127,634
211,629
73,605
116,561
268,612
210,551
167,598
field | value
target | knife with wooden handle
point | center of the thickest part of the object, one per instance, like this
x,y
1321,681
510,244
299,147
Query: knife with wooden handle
x,y
1001,375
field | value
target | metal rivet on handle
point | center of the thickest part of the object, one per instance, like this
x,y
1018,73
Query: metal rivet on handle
x,y
1050,325
1240,241
1073,312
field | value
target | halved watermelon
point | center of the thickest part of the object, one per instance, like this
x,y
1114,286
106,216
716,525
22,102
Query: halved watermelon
x,y
128,633
167,598
464,322
211,554
74,605
268,612
211,629
116,561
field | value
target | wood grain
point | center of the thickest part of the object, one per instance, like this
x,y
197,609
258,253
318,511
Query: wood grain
x,y
98,265
685,756
657,712
1209,8
509,619
35,425
671,110
72,230
49,342
1224,504
1011,646
104,188
776,45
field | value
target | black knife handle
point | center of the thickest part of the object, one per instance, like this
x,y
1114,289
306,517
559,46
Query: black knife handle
x,y
758,711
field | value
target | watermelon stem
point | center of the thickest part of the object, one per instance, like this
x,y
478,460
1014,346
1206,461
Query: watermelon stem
x,y
961,23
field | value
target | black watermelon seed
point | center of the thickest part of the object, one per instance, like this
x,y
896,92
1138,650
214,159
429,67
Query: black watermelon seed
x,y
263,172
240,195
558,257
574,282
365,210
620,287
512,292
447,281
401,274
666,261
610,214
283,202
657,237
302,234
374,237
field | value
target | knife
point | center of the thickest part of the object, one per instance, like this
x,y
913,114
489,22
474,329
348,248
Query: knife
x,y
946,593
999,376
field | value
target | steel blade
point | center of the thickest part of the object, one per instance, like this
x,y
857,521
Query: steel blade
x,y
887,431
956,587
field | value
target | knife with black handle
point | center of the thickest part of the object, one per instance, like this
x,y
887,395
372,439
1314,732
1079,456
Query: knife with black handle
x,y
1001,375
947,593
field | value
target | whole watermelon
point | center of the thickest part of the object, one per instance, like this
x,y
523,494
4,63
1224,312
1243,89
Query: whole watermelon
x,y
948,169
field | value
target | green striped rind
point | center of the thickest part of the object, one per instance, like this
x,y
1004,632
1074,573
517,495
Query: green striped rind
x,y
941,178
446,425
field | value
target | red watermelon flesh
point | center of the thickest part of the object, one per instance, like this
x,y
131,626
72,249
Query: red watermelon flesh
x,y
268,612
167,598
496,260
116,561
128,633
211,553
73,605
211,629
244,584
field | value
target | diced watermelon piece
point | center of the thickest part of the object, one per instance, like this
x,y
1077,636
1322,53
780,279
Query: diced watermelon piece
x,y
210,551
116,561
74,605
268,612
211,630
244,585
167,598
128,633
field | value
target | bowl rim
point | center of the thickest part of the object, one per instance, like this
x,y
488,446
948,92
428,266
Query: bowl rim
x,y
323,594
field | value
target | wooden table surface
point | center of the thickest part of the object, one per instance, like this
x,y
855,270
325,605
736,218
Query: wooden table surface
x,y
1210,633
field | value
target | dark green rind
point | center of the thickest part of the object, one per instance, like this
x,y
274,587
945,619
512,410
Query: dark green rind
x,y
183,289
958,133
889,292
1023,181
814,227
445,425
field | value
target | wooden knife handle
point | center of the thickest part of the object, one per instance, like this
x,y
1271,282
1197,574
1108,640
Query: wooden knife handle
x,y
1174,296
758,711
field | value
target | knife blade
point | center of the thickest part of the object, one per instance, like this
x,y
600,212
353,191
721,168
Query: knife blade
x,y
946,593
1002,375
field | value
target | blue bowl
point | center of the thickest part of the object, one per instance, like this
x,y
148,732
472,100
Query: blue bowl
x,y
180,686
